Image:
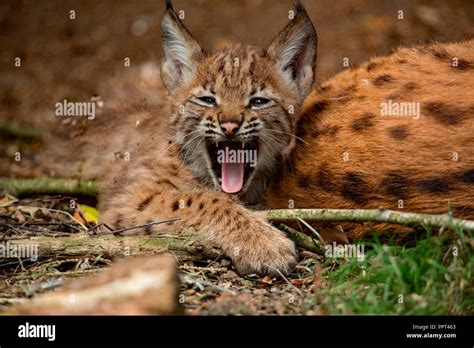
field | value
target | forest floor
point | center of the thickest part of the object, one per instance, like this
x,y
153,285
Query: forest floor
x,y
431,276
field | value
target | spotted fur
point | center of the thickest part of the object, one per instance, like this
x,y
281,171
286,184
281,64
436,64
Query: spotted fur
x,y
396,162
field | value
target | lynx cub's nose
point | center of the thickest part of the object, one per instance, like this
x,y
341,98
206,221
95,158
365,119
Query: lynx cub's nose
x,y
229,128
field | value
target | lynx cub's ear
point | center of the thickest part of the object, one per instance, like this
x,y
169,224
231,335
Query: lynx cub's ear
x,y
294,50
181,53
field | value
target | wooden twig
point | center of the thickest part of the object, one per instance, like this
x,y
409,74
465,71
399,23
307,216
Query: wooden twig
x,y
303,240
311,228
201,284
116,232
112,246
22,132
44,232
79,212
28,209
369,215
47,185
43,223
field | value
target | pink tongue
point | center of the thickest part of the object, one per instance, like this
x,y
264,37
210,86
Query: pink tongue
x,y
232,176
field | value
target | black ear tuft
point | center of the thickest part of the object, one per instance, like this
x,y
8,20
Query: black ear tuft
x,y
181,53
294,51
298,6
169,5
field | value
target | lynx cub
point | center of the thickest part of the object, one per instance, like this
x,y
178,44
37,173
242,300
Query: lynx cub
x,y
231,117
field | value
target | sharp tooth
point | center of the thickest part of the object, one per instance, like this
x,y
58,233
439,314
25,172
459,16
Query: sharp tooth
x,y
243,146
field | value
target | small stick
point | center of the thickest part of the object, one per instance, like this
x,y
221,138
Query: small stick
x,y
39,223
47,185
54,210
44,185
302,240
372,215
22,132
83,218
316,233
138,226
202,283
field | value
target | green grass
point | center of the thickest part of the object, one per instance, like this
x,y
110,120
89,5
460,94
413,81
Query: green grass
x,y
425,279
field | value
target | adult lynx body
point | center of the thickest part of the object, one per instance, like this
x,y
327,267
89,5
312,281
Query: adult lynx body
x,y
364,147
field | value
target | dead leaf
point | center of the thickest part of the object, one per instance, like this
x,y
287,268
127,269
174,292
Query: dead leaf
x,y
267,280
32,211
334,234
297,282
89,213
19,217
230,275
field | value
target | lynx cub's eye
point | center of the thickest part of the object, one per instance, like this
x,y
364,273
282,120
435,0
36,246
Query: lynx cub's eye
x,y
207,100
259,102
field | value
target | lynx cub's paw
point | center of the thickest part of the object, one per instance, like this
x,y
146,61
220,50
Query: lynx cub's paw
x,y
269,252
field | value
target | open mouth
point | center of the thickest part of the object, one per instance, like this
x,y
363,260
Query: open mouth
x,y
233,162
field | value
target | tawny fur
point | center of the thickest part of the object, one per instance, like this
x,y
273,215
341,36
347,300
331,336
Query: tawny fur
x,y
421,165
151,169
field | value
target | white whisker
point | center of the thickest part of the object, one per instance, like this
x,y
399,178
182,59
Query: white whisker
x,y
293,135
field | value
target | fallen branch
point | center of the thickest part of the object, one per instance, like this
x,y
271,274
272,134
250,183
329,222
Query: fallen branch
x,y
369,215
111,246
202,284
22,132
47,185
302,240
